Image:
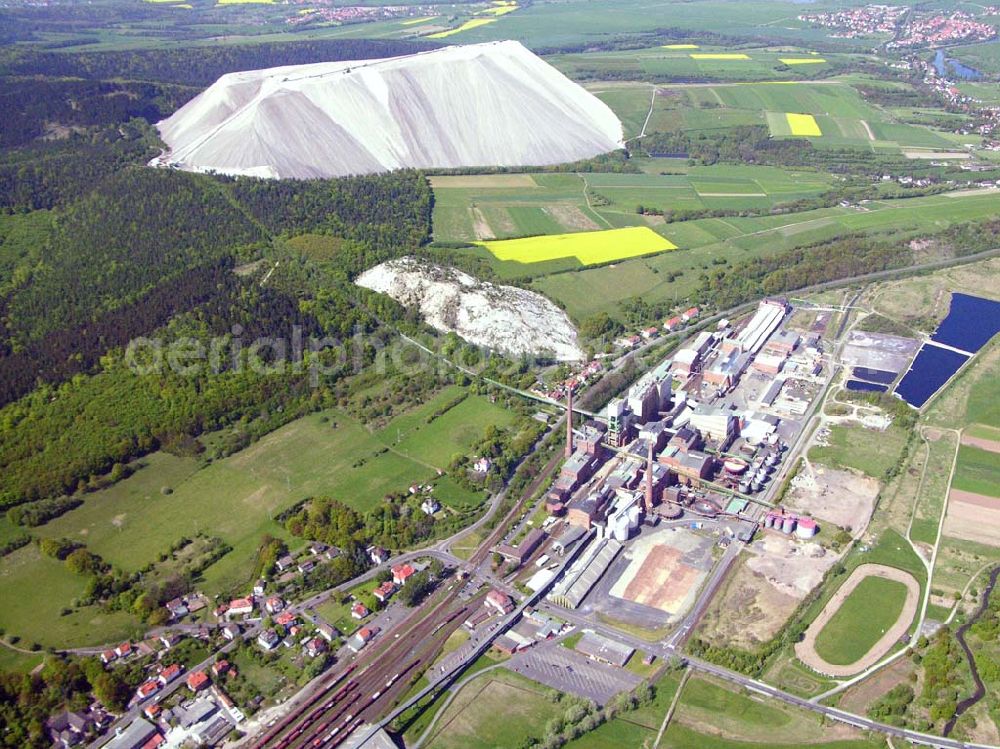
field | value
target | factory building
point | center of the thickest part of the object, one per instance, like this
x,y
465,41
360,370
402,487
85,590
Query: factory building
x,y
584,511
717,424
728,368
688,359
769,364
765,321
654,433
692,465
619,423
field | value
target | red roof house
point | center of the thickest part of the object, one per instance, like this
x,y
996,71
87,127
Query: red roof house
x,y
401,573
197,681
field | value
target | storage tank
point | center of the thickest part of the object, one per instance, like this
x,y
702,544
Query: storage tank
x,y
735,466
619,527
807,528
771,460
745,487
633,517
788,524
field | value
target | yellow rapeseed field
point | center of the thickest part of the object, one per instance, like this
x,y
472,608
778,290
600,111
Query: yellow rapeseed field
x,y
803,124
801,60
475,23
680,46
719,56
589,247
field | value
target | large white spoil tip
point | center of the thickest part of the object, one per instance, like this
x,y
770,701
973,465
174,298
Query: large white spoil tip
x,y
493,104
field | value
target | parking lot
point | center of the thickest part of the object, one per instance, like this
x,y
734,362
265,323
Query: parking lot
x,y
569,671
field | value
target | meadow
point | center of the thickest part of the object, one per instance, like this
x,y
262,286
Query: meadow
x,y
977,471
674,276
870,609
840,112
485,207
697,62
865,450
237,498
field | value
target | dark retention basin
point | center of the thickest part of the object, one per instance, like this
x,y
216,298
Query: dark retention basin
x,y
971,322
874,375
931,369
866,387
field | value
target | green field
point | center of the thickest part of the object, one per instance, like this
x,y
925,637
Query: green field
x,y
468,209
862,619
843,116
234,498
674,276
977,471
498,709
663,63
37,589
866,450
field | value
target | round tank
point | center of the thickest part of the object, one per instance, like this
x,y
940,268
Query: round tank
x,y
735,466
756,485
771,460
788,524
745,487
706,507
619,528
806,528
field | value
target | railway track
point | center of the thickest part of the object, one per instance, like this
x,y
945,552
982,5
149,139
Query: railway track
x,y
377,677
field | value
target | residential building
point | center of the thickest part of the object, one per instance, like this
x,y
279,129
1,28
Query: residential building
x,y
240,607
268,639
499,601
136,735
316,646
359,611
385,591
401,573
170,673
198,680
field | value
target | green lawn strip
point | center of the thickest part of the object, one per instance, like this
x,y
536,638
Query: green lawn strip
x,y
977,471
867,450
867,613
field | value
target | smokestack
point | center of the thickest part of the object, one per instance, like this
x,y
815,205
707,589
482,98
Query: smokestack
x,y
569,423
649,479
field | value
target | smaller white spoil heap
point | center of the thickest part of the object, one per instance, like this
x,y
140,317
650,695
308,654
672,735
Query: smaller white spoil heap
x,y
493,104
501,318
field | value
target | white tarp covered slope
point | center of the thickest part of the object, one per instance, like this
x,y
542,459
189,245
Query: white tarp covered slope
x,y
493,104
502,318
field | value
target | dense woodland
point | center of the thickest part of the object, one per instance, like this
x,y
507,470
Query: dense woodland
x,y
198,66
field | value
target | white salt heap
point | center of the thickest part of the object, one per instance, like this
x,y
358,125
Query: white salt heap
x,y
502,318
493,104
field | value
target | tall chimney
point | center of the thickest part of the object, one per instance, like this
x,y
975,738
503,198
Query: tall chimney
x,y
569,423
648,500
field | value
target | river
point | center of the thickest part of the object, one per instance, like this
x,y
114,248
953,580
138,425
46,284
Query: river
x,y
960,634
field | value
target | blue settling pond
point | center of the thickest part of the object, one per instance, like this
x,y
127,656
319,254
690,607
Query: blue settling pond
x,y
866,387
874,375
931,369
971,322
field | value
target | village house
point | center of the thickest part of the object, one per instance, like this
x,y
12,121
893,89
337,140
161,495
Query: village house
x,y
401,573
197,681
274,604
316,646
384,591
285,619
327,632
359,611
240,607
268,639
230,631
170,673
